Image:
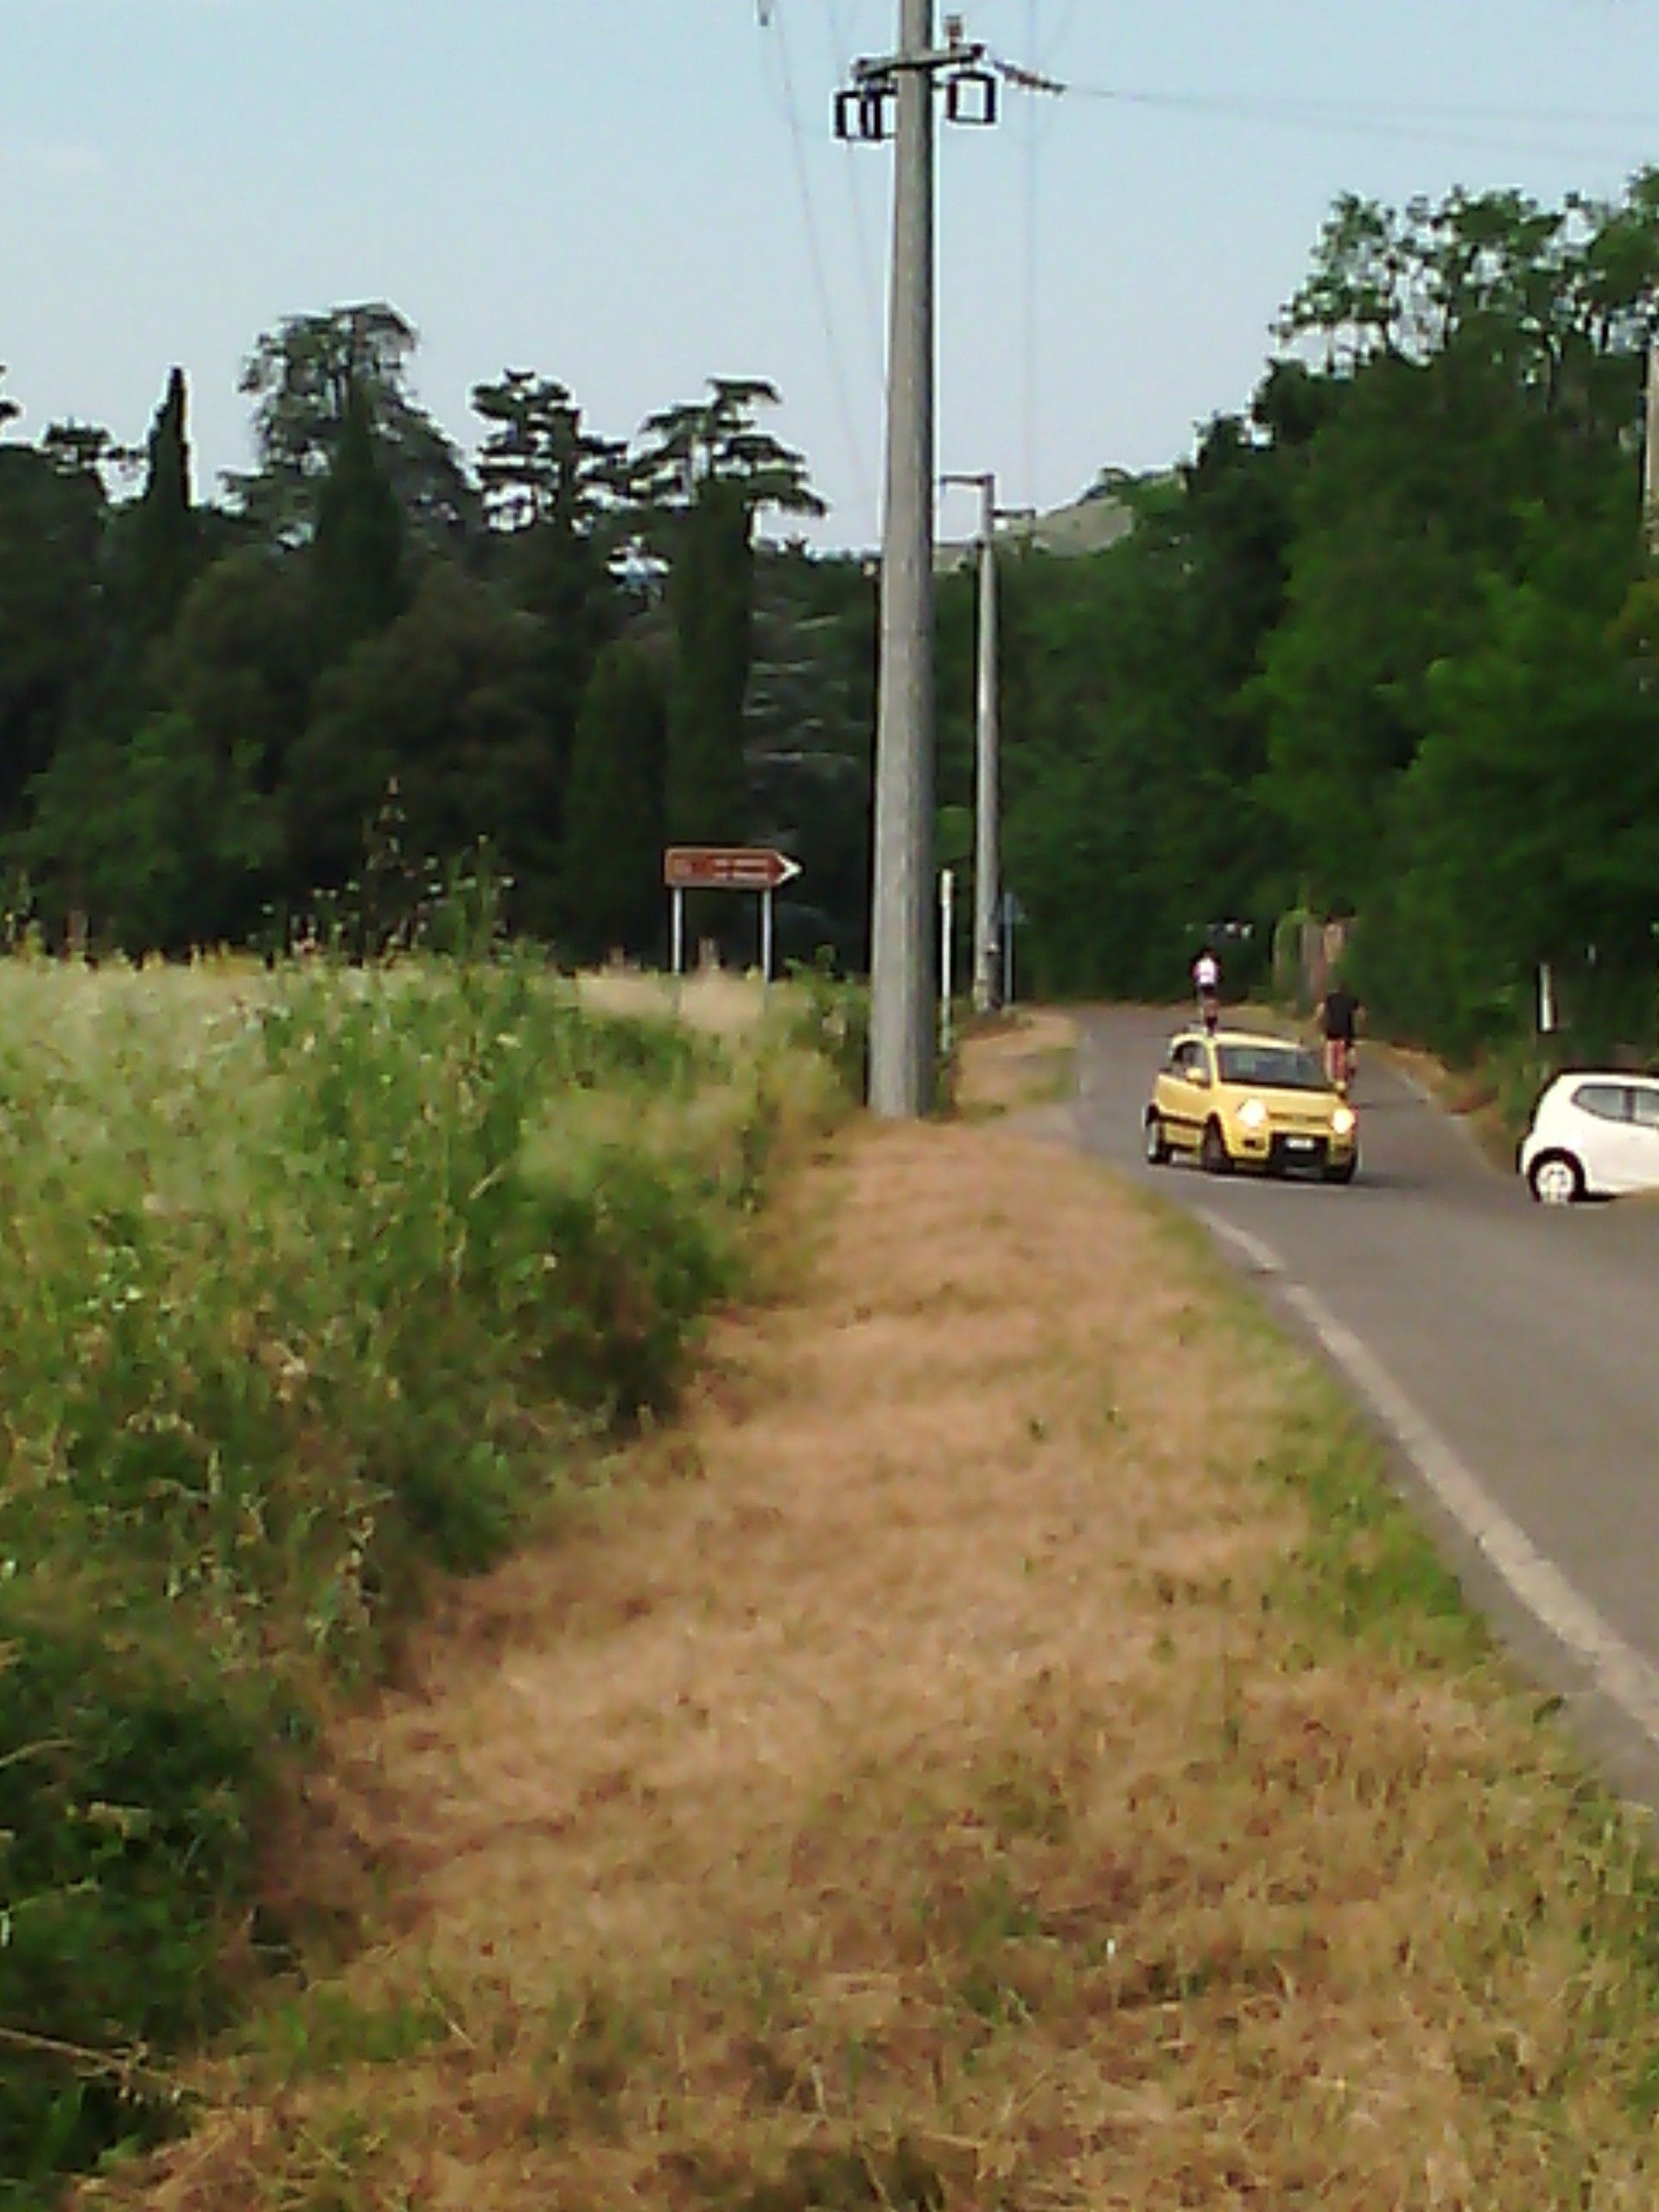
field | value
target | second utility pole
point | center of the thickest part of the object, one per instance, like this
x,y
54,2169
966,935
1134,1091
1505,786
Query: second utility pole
x,y
901,947
988,863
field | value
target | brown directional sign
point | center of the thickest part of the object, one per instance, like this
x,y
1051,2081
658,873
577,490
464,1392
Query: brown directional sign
x,y
727,868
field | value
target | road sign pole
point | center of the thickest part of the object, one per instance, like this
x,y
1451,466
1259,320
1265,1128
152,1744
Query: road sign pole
x,y
947,927
677,931
766,937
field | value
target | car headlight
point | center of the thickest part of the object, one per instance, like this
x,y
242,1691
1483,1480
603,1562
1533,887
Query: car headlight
x,y
1344,1122
1252,1114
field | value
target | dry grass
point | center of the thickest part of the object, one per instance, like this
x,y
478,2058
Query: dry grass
x,y
1018,1061
941,1777
718,1001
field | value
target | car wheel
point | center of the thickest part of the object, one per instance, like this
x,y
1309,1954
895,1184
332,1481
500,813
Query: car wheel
x,y
1344,1171
1213,1156
1556,1180
1157,1142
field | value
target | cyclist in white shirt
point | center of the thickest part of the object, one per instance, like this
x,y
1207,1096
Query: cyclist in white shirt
x,y
1206,982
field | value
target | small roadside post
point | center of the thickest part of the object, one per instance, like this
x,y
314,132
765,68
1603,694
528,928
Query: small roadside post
x,y
947,929
1012,915
724,868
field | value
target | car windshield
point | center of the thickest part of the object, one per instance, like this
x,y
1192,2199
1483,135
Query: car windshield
x,y
1270,1067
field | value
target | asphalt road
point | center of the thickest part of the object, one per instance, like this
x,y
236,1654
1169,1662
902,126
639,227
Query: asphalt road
x,y
1511,1351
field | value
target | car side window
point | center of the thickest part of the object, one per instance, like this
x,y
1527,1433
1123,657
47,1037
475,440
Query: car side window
x,y
1608,1101
1646,1103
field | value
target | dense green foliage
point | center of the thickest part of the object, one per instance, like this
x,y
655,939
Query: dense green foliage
x,y
205,710
312,1281
1382,650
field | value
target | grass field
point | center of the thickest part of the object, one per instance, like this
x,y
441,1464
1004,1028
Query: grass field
x,y
1005,1749
313,1286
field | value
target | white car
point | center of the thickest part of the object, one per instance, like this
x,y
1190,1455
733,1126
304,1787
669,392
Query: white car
x,y
1593,1135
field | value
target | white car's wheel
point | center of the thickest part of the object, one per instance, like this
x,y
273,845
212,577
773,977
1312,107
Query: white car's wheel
x,y
1556,1180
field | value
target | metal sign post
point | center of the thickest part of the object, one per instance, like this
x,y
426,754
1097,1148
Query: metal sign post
x,y
1012,914
725,867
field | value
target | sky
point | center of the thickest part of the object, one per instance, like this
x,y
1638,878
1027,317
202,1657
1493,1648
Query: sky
x,y
635,195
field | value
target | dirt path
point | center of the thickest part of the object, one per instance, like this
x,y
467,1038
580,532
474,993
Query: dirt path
x,y
931,1779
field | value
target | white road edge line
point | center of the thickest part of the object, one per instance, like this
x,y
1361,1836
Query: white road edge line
x,y
1618,1672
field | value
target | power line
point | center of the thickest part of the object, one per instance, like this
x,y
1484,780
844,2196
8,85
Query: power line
x,y
1029,301
1425,122
841,46
771,18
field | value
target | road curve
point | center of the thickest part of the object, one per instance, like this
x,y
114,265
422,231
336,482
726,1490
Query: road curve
x,y
1512,1352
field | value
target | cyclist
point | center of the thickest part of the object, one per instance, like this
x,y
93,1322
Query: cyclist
x,y
1338,1022
1206,982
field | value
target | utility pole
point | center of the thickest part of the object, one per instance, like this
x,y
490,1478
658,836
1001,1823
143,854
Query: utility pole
x,y
1650,454
988,867
893,96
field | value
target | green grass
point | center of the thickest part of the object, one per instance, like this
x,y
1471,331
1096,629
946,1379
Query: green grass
x,y
311,1286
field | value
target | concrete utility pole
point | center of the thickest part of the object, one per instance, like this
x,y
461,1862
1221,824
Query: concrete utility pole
x,y
901,968
899,90
1650,454
988,867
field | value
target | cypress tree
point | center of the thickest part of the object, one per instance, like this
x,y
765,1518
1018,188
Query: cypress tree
x,y
610,886
357,563
166,537
711,600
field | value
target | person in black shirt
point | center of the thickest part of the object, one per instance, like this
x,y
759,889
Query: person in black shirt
x,y
1339,1021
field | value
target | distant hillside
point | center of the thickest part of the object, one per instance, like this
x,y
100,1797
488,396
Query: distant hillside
x,y
1100,518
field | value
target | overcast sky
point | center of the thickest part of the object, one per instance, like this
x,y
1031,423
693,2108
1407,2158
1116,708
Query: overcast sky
x,y
632,196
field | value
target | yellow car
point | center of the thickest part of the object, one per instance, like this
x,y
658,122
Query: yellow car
x,y
1237,1098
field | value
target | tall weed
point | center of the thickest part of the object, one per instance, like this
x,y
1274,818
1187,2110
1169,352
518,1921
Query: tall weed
x,y
309,1285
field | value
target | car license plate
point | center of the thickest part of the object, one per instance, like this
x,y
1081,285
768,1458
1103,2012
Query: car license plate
x,y
1300,1144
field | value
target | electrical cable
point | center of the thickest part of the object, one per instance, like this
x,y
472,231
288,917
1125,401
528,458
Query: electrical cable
x,y
1431,124
773,19
835,30
1029,301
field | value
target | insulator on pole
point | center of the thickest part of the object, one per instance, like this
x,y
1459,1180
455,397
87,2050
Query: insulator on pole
x,y
970,97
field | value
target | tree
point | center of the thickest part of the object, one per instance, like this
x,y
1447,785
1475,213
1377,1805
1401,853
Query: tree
x,y
163,843
443,701
611,870
551,493
302,377
53,620
701,475
538,465
241,661
163,540
808,721
710,598
358,573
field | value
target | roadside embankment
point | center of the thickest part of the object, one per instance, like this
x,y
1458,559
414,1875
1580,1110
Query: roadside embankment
x,y
1007,1748
313,1287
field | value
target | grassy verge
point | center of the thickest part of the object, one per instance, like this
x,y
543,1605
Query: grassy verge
x,y
310,1286
1010,1749
1022,1061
